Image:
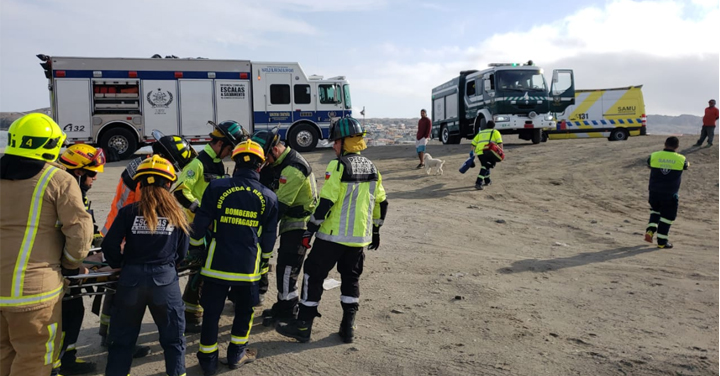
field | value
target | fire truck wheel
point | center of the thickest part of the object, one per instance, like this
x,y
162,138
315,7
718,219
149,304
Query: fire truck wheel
x,y
119,143
303,137
537,136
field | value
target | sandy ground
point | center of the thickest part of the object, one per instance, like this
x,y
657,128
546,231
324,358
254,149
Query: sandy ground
x,y
543,273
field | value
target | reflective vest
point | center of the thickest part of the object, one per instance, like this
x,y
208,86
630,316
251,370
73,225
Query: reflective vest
x,y
666,169
243,216
483,137
354,185
196,176
296,190
126,193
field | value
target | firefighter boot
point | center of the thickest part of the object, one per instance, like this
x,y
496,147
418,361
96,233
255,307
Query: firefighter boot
x,y
208,362
298,329
239,355
347,325
282,311
71,365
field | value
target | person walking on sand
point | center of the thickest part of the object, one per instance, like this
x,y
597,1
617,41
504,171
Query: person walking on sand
x,y
709,120
666,168
423,135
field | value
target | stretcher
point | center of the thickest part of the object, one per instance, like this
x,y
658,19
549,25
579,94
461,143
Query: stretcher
x,y
98,283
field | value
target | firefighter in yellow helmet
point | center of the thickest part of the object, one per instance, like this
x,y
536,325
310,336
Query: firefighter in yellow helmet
x,y
348,218
83,162
243,214
155,231
44,225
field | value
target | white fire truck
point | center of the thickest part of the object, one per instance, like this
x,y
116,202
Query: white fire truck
x,y
117,102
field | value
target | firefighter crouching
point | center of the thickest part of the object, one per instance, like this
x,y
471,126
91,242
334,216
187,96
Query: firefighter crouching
x,y
83,162
155,231
44,225
351,210
243,216
176,150
189,191
294,184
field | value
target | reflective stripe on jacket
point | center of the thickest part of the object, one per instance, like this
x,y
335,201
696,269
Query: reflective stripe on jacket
x,y
354,185
243,215
44,224
483,138
296,190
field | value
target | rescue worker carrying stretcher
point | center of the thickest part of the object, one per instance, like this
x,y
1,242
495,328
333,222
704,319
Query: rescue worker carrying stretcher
x,y
243,216
155,232
179,152
348,218
294,184
44,226
189,190
83,162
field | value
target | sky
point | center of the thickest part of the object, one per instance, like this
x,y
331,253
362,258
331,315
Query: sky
x,y
393,52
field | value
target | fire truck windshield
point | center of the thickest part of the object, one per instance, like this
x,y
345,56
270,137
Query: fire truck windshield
x,y
521,80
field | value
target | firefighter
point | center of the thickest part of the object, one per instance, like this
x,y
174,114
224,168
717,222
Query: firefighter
x,y
179,152
666,169
155,231
348,218
294,184
486,161
83,162
243,214
44,225
189,190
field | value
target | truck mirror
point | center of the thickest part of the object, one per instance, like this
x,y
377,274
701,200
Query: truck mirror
x,y
487,85
555,77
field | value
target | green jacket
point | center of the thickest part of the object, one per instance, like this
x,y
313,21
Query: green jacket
x,y
296,190
195,177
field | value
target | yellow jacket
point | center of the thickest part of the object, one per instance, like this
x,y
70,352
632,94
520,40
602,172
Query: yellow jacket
x,y
43,224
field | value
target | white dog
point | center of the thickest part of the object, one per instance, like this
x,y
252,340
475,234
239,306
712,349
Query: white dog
x,y
431,163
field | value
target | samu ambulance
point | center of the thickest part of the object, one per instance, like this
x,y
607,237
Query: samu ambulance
x,y
615,114
116,103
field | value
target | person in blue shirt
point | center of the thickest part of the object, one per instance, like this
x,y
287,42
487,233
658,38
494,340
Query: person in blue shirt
x,y
243,215
155,231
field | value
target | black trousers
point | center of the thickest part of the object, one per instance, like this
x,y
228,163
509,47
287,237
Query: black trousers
x,y
73,312
663,211
323,257
191,298
141,287
291,255
486,163
213,300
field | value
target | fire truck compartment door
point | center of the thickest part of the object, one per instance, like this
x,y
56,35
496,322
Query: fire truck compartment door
x,y
73,104
160,106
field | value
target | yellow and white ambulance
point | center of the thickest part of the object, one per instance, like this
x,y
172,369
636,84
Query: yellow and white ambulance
x,y
615,114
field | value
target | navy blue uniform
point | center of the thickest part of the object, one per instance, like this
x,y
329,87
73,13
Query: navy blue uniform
x,y
148,279
242,214
666,168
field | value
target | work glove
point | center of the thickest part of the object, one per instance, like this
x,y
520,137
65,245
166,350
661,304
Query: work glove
x,y
307,239
195,257
193,207
97,240
375,238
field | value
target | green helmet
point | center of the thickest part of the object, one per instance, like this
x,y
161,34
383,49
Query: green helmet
x,y
345,127
267,139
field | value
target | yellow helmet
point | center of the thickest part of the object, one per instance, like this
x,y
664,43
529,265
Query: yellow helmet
x,y
82,156
249,147
155,166
35,136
